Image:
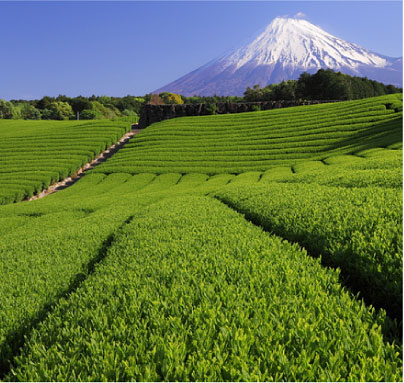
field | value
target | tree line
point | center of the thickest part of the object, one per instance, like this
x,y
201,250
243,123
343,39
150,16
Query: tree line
x,y
70,108
323,85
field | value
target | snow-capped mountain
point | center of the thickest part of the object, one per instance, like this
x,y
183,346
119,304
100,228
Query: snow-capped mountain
x,y
287,48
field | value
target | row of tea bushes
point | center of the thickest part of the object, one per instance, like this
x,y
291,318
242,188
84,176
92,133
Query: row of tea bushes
x,y
356,229
258,141
190,291
49,246
34,154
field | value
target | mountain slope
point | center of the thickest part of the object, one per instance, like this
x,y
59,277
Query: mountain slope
x,y
287,48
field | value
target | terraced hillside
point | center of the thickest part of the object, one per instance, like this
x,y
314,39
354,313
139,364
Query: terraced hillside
x,y
35,154
260,140
292,272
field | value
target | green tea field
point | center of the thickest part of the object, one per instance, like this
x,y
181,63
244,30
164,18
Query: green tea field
x,y
262,246
36,154
257,141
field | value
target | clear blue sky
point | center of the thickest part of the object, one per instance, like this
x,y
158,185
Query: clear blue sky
x,y
133,47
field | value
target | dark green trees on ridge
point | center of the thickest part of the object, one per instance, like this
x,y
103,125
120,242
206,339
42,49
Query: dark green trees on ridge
x,y
323,85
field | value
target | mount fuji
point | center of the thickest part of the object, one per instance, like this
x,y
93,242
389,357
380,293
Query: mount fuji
x,y
287,48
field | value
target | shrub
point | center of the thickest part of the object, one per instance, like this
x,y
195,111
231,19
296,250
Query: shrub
x,y
90,114
6,109
59,110
171,98
29,112
210,109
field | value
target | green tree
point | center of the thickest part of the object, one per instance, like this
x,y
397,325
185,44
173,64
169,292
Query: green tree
x,y
63,98
134,104
324,85
104,100
29,112
392,89
302,86
128,112
79,104
44,102
6,109
90,114
60,110
256,93
286,90
379,88
106,111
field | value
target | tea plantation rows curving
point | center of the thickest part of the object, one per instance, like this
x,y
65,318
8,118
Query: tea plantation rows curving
x,y
349,212
257,141
358,230
166,284
190,291
33,154
134,273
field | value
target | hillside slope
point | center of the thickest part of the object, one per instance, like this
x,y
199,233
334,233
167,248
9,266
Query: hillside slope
x,y
261,140
216,277
35,154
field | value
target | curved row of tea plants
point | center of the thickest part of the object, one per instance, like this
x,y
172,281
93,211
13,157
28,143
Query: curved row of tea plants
x,y
257,141
49,246
190,291
128,277
33,155
377,167
358,230
46,220
70,231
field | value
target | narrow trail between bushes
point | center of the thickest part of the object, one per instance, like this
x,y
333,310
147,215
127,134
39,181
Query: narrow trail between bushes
x,y
71,180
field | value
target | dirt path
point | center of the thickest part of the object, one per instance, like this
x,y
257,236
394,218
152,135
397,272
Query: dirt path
x,y
90,165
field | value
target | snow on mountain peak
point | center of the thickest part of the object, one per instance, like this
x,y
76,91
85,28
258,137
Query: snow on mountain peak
x,y
295,41
288,47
